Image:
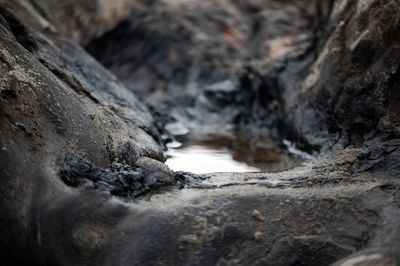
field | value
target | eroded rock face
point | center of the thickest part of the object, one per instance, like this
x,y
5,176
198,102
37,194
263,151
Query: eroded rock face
x,y
219,59
54,103
349,90
83,181
79,21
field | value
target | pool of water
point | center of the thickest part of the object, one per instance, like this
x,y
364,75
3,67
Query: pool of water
x,y
227,154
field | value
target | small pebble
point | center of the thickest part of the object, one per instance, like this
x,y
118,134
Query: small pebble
x,y
256,214
258,236
190,239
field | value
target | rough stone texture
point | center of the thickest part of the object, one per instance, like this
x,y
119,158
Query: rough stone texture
x,y
57,100
72,19
218,59
70,133
351,87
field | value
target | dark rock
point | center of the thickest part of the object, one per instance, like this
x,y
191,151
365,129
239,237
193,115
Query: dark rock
x,y
120,180
25,128
187,56
79,189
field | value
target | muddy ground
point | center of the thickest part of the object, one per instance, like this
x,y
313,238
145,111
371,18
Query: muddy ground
x,y
92,92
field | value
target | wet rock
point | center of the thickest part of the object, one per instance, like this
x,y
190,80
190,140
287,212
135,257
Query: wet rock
x,y
156,173
289,70
120,180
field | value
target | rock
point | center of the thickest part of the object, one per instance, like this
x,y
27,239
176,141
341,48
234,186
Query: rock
x,y
78,21
190,239
256,214
258,236
92,115
79,189
120,180
177,129
155,172
214,62
369,260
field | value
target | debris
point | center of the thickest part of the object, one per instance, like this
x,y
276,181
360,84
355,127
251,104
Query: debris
x,y
190,239
256,214
258,236
120,180
92,115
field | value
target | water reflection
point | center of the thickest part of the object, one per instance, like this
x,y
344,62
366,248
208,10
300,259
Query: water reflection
x,y
203,159
229,154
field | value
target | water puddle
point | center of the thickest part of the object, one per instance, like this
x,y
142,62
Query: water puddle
x,y
208,154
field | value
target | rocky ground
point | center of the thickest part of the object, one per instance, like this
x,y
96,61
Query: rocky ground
x,y
92,91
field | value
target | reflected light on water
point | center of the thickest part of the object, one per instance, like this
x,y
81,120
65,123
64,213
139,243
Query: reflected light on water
x,y
203,159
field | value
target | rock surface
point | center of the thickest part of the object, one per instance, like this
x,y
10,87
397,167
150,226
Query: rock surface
x,y
81,157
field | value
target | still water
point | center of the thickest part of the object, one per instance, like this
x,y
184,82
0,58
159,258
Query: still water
x,y
223,154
